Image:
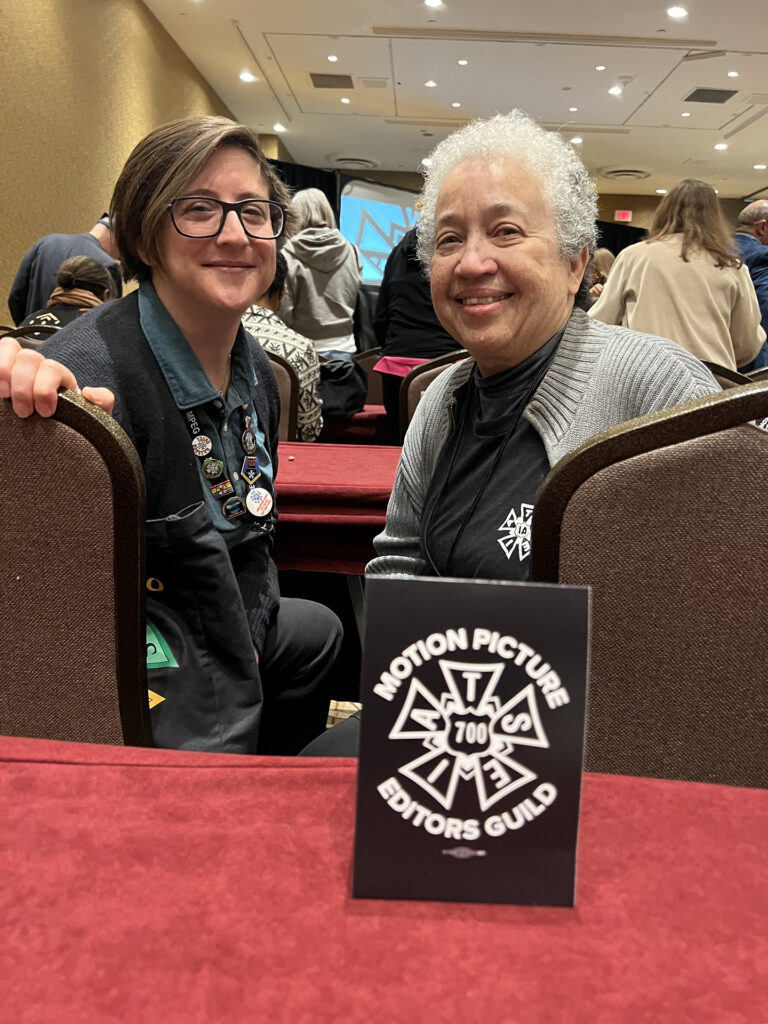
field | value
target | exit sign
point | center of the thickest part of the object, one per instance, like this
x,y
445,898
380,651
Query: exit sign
x,y
623,215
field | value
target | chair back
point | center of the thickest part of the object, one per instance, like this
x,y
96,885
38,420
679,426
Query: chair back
x,y
663,517
761,373
24,334
418,380
72,600
288,386
368,360
725,376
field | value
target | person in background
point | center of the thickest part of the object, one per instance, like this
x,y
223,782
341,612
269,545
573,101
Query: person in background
x,y
601,264
81,284
686,282
323,276
36,277
197,214
752,239
262,322
405,323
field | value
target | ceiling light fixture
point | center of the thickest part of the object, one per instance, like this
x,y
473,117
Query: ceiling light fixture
x,y
345,99
721,145
433,3
462,63
615,90
572,110
332,58
246,76
427,161
661,191
576,140
677,12
733,74
455,104
758,167
599,67
430,84
685,114
277,127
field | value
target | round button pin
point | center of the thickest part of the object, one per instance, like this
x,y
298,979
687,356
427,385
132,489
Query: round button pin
x,y
258,501
212,469
202,445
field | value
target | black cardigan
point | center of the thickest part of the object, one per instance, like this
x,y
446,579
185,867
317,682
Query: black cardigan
x,y
108,349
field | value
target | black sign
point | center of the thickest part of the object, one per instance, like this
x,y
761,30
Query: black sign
x,y
472,741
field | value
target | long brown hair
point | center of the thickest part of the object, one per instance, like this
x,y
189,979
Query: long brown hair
x,y
692,210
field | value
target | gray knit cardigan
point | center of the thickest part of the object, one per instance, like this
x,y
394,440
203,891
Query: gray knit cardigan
x,y
599,377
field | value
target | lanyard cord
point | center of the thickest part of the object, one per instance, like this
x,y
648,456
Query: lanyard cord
x,y
496,459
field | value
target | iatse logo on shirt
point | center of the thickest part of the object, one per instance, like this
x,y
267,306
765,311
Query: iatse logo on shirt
x,y
517,532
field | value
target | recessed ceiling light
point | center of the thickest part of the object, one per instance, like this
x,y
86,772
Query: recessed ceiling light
x,y
277,127
758,167
577,140
572,110
677,12
455,104
721,145
717,191
433,3
661,191
246,76
685,114
599,67
345,99
430,84
733,74
462,62
332,58
427,161
615,90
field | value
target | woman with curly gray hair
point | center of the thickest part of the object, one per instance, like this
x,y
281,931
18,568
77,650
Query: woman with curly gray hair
x,y
507,225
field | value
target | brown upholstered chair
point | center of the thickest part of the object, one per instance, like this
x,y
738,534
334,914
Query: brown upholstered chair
x,y
72,599
664,516
725,376
418,380
367,360
288,386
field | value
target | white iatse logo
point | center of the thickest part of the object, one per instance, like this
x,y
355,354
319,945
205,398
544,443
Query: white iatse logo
x,y
471,735
517,529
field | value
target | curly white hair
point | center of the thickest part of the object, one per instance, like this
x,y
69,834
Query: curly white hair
x,y
565,182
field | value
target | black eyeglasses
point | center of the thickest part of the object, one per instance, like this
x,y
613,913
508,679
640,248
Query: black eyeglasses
x,y
203,217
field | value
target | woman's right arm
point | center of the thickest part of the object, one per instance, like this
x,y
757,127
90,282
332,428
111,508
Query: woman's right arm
x,y
32,382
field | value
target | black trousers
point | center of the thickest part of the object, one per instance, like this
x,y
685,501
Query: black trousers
x,y
296,668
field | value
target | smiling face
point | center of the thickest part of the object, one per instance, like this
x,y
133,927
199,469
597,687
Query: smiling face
x,y
210,278
499,284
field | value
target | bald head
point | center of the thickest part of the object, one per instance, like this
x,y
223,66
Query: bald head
x,y
753,220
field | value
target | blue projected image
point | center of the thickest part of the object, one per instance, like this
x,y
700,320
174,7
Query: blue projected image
x,y
375,227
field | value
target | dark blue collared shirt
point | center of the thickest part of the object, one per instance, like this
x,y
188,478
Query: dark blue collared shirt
x,y
222,420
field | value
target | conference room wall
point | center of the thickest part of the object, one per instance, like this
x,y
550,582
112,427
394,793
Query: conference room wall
x,y
82,82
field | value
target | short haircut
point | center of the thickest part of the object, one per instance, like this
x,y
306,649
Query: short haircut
x,y
752,213
278,281
565,183
160,169
86,273
312,209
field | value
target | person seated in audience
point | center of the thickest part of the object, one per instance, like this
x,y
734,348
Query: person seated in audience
x,y
323,276
81,284
601,264
197,214
262,322
686,282
506,227
405,323
36,277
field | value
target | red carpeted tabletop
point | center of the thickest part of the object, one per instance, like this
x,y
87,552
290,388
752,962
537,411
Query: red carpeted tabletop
x,y
161,886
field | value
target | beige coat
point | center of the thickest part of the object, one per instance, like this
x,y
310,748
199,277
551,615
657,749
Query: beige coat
x,y
711,311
